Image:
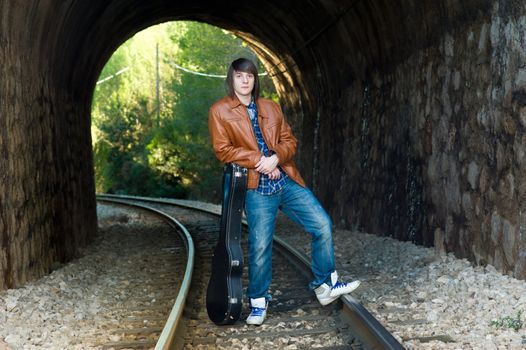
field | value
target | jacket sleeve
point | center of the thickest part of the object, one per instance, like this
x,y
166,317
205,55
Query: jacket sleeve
x,y
286,146
223,146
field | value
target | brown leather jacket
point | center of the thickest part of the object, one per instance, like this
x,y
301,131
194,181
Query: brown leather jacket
x,y
233,138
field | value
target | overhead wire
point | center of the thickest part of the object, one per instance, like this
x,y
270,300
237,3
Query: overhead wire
x,y
205,74
113,75
208,75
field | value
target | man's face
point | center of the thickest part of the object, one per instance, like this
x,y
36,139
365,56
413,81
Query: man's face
x,y
243,83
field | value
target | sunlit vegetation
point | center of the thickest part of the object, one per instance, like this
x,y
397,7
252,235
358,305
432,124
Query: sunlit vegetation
x,y
157,144
512,322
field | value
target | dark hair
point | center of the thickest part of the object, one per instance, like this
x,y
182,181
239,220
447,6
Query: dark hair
x,y
242,65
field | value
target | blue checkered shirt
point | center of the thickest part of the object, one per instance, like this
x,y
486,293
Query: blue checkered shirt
x,y
266,186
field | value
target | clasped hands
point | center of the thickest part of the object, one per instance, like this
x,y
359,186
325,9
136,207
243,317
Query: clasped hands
x,y
269,166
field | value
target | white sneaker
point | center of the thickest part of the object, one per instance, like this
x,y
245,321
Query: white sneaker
x,y
327,294
259,311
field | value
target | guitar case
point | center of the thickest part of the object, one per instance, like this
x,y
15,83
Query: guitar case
x,y
224,294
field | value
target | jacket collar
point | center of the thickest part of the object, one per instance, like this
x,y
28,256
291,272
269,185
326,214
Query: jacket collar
x,y
234,102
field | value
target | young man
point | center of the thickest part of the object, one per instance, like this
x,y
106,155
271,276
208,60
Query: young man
x,y
252,132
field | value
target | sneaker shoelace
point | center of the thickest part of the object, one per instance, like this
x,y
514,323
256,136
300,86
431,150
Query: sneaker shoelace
x,y
339,285
257,311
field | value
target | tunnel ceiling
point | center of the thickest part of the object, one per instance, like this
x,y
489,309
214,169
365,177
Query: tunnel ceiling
x,y
84,34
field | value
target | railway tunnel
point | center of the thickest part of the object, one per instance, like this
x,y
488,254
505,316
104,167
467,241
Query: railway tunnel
x,y
410,115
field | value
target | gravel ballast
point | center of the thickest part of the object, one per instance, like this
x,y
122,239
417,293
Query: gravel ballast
x,y
427,300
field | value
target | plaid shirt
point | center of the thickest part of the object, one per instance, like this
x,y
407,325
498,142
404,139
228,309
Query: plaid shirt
x,y
266,186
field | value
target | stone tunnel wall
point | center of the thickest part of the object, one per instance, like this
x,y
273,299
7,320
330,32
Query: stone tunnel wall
x,y
410,115
434,146
47,206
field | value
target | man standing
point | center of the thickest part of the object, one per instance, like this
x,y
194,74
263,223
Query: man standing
x,y
252,132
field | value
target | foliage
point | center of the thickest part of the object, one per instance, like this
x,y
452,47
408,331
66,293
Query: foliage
x,y
137,150
514,323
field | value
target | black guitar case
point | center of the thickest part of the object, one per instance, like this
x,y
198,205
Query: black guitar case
x,y
225,290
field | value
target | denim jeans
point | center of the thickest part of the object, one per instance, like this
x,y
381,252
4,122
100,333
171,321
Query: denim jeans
x,y
299,204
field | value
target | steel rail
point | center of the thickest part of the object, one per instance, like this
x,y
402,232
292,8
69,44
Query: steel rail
x,y
168,338
362,323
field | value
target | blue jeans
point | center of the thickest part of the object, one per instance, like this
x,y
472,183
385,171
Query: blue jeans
x,y
299,204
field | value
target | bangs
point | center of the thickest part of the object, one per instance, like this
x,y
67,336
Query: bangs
x,y
245,66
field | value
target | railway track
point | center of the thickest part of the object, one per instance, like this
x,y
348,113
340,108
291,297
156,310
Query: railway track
x,y
295,318
147,320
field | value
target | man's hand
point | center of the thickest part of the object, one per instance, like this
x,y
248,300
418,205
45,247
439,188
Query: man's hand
x,y
267,165
275,174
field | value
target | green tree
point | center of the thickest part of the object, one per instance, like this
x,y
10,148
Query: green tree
x,y
123,120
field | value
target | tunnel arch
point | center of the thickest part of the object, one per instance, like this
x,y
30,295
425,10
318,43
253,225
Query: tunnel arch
x,y
391,98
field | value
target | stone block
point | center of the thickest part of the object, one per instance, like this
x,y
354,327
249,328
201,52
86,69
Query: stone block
x,y
473,174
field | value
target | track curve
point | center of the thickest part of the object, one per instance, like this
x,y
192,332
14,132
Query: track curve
x,y
295,317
